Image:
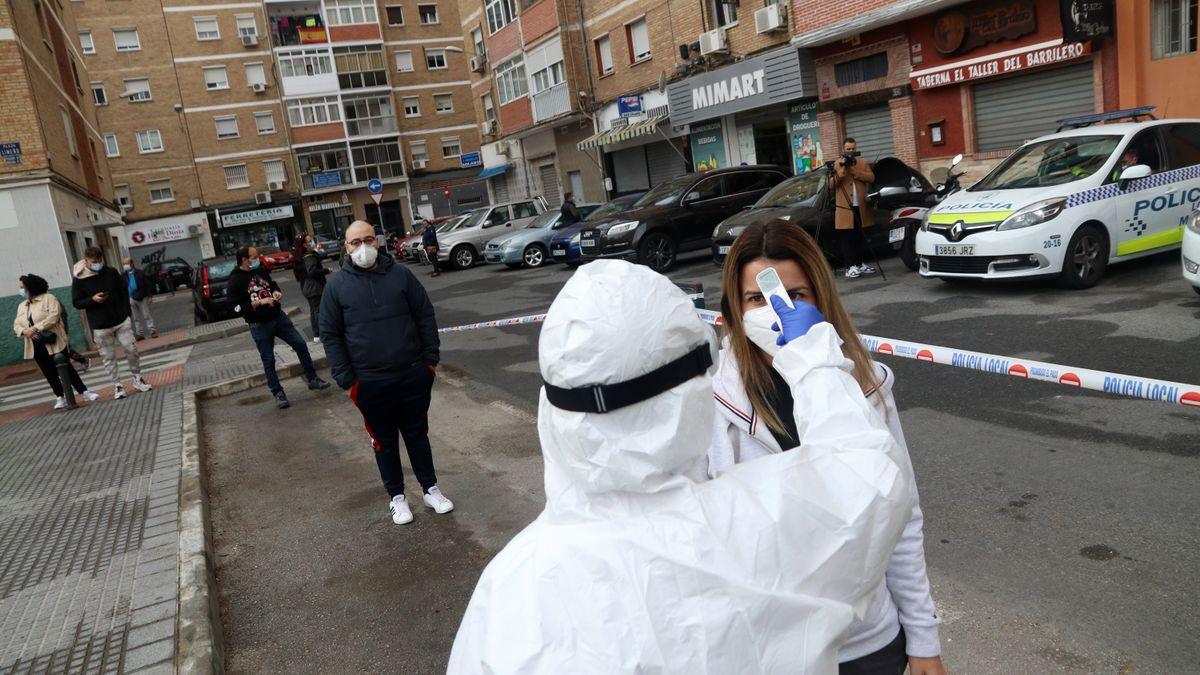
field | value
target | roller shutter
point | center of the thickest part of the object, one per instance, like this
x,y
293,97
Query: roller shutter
x,y
629,170
664,162
548,176
872,129
500,188
1012,111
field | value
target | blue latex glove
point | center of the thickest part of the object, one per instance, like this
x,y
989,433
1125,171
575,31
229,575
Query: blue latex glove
x,y
796,321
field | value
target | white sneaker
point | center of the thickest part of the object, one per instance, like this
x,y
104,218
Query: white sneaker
x,y
437,501
316,340
140,384
852,272
60,403
90,395
866,269
119,391
400,512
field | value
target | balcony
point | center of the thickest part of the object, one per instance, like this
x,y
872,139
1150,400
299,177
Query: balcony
x,y
551,103
307,71
297,22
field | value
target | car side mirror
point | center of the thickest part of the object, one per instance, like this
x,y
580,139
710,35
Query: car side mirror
x,y
488,223
691,197
1133,173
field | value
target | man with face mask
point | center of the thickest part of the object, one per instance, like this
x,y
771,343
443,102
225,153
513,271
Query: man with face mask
x,y
102,293
139,300
380,335
636,564
256,297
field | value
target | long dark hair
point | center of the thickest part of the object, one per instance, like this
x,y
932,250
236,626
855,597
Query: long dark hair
x,y
34,285
299,250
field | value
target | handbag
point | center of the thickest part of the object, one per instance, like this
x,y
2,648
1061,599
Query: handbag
x,y
42,337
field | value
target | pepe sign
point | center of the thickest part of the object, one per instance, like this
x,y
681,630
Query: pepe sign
x,y
963,30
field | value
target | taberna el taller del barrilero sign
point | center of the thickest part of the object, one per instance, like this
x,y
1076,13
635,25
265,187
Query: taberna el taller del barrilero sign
x,y
778,76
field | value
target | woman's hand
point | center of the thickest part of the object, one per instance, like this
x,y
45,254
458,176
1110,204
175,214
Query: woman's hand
x,y
925,666
795,321
29,333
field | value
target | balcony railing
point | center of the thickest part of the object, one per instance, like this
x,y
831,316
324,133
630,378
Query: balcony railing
x,y
298,30
551,102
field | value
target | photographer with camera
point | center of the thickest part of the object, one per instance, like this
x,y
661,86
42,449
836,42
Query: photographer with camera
x,y
850,180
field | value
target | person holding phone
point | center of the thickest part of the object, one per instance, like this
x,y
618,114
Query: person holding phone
x,y
756,417
103,294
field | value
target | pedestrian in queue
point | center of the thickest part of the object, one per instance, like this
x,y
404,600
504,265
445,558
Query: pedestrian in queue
x,y
257,298
311,273
569,213
757,417
850,182
103,293
40,323
429,241
638,564
139,300
380,336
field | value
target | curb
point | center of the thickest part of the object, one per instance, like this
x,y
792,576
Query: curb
x,y
200,648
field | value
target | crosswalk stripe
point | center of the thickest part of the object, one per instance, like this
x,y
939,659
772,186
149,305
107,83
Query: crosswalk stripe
x,y
22,394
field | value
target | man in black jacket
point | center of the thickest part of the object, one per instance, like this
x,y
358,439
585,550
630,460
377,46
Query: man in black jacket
x,y
256,298
102,293
139,300
380,335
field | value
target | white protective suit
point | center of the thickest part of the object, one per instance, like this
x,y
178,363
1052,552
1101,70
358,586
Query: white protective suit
x,y
638,565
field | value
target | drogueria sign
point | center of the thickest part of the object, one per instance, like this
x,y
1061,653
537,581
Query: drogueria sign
x,y
782,75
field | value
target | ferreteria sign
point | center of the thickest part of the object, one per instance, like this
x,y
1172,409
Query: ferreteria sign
x,y
1002,63
256,216
775,77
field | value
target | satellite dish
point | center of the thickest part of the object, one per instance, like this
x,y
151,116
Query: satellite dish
x,y
662,81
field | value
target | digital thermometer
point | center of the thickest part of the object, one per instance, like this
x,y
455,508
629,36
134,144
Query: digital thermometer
x,y
769,284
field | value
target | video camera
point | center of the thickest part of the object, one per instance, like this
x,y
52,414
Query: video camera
x,y
848,158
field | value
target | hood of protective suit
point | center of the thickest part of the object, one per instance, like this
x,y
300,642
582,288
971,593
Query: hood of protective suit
x,y
637,564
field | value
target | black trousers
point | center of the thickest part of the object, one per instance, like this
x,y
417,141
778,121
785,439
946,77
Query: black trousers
x,y
45,361
314,311
853,242
395,408
891,660
433,259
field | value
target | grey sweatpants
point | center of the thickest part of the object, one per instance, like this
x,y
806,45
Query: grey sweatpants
x,y
107,339
143,323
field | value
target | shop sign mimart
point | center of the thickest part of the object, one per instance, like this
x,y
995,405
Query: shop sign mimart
x,y
1001,63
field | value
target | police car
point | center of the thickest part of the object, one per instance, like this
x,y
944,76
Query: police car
x,y
1071,203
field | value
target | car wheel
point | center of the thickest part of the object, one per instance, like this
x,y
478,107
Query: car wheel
x,y
1197,289
462,257
534,256
908,248
197,315
657,252
1086,258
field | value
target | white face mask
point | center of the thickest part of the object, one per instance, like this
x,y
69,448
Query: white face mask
x,y
757,324
364,256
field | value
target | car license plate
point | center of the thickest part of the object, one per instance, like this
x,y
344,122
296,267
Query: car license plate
x,y
895,235
954,249
586,243
722,250
559,252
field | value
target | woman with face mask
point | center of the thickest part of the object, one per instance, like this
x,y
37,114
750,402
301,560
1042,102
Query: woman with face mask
x,y
756,418
39,322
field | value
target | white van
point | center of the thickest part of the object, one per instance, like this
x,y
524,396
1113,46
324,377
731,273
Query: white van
x,y
1070,203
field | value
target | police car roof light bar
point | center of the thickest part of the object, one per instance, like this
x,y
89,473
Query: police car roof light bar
x,y
1089,120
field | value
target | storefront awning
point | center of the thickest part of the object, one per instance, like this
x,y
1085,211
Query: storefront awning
x,y
493,171
893,12
646,127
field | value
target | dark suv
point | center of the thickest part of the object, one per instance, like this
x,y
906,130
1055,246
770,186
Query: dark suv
x,y
210,290
678,215
167,275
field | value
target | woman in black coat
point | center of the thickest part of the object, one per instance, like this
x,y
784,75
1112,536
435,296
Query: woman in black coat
x,y
311,274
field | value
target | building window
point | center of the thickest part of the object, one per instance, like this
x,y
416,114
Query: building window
x,y
395,15
369,115
246,25
500,13
418,152
305,63
604,55
160,191
404,62
860,70
255,74
236,176
639,40
99,95
724,14
85,42
428,14
207,28
227,126
306,111
275,171
489,110
377,159
443,103
451,147
360,66
216,77
435,59
126,39
477,41
324,159
75,76
137,89
342,12
70,131
111,149
121,197
412,106
264,122
548,77
149,140
510,80
1173,26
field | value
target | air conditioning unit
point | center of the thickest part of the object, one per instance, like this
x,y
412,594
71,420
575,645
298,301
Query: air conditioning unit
x,y
249,40
502,148
478,63
419,163
713,41
195,203
262,197
274,185
770,18
489,127
259,87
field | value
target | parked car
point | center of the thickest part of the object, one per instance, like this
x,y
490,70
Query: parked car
x,y
210,289
274,259
407,247
564,245
461,246
1070,203
414,249
167,275
677,215
530,246
1191,251
326,248
807,201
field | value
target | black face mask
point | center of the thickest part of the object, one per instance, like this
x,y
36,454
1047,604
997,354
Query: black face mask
x,y
602,398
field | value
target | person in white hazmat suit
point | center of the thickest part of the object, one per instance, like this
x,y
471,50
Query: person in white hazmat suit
x,y
637,563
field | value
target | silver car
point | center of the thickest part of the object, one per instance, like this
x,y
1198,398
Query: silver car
x,y
461,246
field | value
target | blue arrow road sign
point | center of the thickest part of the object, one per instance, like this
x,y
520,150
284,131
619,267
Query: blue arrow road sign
x,y
374,186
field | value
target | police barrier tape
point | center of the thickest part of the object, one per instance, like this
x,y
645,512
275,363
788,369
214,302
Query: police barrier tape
x,y
1081,378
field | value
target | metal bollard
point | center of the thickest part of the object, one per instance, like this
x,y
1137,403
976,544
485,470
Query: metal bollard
x,y
62,362
695,292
